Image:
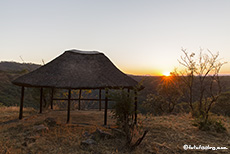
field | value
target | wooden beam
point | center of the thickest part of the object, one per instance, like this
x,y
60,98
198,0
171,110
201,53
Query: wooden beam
x,y
21,103
79,100
106,106
135,101
51,99
41,91
68,114
99,99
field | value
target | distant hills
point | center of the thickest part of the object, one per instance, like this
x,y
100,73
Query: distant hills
x,y
10,94
7,66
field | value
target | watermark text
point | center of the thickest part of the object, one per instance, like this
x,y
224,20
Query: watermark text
x,y
201,147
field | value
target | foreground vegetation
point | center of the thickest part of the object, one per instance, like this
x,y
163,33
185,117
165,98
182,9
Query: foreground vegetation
x,y
166,134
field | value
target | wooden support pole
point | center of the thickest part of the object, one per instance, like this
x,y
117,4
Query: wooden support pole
x,y
79,101
41,92
128,90
68,114
51,99
135,101
128,95
99,99
21,103
106,106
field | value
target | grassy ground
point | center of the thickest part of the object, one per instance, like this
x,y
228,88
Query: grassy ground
x,y
167,134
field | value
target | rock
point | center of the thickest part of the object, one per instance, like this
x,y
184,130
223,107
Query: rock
x,y
40,127
150,151
118,132
86,134
88,142
30,139
50,122
103,134
24,144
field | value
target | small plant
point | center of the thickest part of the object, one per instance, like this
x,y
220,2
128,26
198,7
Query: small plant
x,y
1,104
123,112
222,105
210,125
219,127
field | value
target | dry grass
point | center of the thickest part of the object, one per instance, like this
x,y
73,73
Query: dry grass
x,y
12,113
167,134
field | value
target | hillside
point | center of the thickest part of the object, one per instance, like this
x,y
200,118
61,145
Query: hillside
x,y
17,67
167,134
10,94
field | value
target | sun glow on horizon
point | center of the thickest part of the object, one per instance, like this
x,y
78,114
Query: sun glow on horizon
x,y
166,73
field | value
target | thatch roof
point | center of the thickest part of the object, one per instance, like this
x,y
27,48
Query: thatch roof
x,y
77,70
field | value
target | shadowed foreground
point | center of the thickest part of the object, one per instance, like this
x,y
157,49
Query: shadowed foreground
x,y
167,134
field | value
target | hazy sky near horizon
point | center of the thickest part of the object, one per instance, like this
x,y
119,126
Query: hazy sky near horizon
x,y
141,37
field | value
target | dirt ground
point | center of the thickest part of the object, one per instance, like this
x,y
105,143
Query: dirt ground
x,y
166,134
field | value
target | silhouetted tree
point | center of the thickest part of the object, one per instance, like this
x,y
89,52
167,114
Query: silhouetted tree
x,y
167,96
203,71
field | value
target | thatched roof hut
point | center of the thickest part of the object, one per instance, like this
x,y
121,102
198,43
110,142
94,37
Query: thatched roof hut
x,y
76,69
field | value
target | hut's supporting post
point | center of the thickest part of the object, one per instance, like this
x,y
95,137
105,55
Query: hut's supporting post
x,y
99,99
135,101
79,101
106,105
41,92
21,103
51,100
68,114
128,95
128,92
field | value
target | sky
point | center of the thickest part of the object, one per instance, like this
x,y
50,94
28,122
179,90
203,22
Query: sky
x,y
141,37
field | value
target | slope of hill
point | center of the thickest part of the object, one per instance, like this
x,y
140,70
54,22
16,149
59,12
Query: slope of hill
x,y
167,134
17,67
9,93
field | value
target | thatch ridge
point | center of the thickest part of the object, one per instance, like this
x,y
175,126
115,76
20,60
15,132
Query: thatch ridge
x,y
84,52
76,69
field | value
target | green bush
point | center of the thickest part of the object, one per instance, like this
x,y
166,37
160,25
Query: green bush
x,y
154,105
222,106
123,109
1,104
182,107
210,125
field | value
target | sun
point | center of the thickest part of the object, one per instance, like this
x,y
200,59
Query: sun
x,y
166,73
